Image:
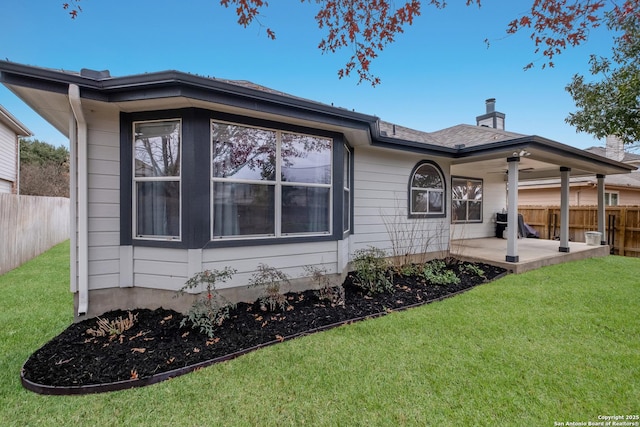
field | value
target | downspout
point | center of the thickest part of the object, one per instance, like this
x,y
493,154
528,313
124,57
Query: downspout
x,y
82,213
17,184
73,203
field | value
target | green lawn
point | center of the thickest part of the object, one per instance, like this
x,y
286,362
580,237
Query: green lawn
x,y
560,344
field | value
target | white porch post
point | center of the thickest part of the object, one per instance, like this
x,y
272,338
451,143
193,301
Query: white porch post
x,y
512,210
601,209
564,209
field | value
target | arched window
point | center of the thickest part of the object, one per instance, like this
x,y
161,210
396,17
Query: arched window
x,y
426,191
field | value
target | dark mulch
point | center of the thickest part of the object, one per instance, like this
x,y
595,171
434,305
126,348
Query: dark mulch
x,y
156,343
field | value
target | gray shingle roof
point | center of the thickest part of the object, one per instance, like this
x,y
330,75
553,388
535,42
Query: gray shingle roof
x,y
469,135
601,151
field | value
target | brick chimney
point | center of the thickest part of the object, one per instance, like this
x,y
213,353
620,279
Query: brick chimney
x,y
614,148
491,118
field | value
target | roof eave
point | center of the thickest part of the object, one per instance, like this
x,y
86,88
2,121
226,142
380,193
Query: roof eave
x,y
14,124
548,145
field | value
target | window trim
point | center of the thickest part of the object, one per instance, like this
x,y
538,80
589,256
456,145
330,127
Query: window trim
x,y
347,185
277,184
607,200
196,179
135,180
410,212
467,220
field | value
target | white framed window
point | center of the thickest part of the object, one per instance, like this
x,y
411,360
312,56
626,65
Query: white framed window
x,y
466,200
346,190
426,192
611,198
269,183
157,179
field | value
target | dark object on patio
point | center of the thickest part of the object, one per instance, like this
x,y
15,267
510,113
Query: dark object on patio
x,y
524,229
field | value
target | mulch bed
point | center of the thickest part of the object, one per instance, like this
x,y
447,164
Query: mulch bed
x,y
156,343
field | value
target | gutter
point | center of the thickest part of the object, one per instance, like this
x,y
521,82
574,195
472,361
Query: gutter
x,y
80,209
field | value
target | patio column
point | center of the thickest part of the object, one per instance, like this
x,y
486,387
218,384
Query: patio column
x,y
601,209
564,209
512,210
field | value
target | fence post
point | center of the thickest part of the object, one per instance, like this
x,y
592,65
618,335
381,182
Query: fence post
x,y
623,231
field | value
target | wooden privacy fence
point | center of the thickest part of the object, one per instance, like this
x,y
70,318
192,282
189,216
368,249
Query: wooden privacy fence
x,y
622,225
29,225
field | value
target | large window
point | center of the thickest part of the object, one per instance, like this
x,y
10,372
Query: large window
x,y
156,180
466,200
426,194
269,183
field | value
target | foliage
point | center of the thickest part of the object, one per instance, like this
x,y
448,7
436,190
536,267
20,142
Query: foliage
x,y
371,271
473,269
40,152
210,311
326,290
412,239
437,273
409,270
269,279
366,27
44,169
111,328
611,106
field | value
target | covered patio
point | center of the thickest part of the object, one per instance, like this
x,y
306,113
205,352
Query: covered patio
x,y
533,253
527,158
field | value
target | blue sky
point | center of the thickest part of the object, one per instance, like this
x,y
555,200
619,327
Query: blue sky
x,y
437,74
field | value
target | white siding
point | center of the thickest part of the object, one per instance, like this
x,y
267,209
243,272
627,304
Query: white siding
x,y
103,153
160,268
289,258
8,153
381,195
5,186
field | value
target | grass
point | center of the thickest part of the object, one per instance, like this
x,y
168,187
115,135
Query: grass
x,y
558,344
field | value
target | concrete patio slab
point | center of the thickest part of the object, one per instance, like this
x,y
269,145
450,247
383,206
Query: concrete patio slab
x,y
532,253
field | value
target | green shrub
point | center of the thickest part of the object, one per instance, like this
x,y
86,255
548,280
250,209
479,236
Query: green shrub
x,y
409,270
473,269
269,279
436,272
210,311
326,290
371,271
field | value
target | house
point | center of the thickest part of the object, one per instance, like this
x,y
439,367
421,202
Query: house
x,y
10,132
621,189
174,173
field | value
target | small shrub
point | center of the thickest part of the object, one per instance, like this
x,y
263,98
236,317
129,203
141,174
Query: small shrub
x,y
409,270
437,273
269,279
372,272
112,328
326,291
210,311
473,269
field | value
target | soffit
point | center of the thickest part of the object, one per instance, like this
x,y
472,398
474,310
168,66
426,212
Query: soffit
x,y
542,162
54,108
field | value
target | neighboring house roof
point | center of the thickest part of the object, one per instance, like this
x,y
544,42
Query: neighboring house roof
x,y
620,180
145,92
628,157
630,180
13,124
